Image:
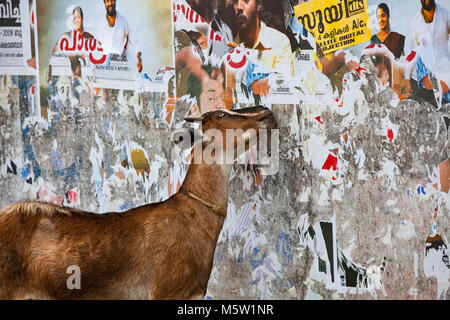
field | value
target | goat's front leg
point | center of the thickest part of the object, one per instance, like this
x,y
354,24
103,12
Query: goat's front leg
x,y
197,297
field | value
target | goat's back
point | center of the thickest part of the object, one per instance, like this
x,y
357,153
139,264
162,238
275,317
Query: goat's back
x,y
41,243
162,251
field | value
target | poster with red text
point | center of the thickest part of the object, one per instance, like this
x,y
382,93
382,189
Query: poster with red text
x,y
113,44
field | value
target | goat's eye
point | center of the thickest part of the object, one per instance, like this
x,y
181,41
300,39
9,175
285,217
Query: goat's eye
x,y
221,115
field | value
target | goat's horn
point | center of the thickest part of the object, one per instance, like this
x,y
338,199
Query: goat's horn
x,y
193,119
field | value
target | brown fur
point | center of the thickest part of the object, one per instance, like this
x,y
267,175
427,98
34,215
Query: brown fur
x,y
158,251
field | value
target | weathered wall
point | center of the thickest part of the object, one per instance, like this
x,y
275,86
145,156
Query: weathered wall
x,y
381,201
304,233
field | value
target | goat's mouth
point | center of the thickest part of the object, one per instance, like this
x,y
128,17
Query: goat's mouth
x,y
267,121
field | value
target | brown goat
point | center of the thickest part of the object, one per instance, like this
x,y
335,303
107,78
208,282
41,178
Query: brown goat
x,y
157,251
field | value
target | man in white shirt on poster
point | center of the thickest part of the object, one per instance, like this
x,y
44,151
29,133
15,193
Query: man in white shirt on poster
x,y
115,34
273,48
430,30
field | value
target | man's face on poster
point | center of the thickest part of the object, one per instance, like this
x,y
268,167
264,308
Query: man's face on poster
x,y
428,4
246,12
110,6
212,96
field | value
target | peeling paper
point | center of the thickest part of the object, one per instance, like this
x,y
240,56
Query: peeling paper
x,y
436,264
263,276
331,265
406,230
240,227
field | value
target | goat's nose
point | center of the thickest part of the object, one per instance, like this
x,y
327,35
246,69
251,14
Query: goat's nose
x,y
266,114
266,121
264,111
260,109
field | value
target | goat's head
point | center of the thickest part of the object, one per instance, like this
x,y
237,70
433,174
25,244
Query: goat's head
x,y
254,117
232,132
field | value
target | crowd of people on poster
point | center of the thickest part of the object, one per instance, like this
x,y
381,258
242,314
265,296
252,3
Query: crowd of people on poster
x,y
270,38
225,50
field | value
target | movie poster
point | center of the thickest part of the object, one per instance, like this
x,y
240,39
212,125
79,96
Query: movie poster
x,y
112,44
18,37
231,54
225,54
221,65
335,24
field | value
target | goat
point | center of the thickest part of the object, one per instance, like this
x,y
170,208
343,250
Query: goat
x,y
156,251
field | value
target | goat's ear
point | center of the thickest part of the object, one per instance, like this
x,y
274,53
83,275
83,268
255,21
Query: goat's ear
x,y
186,138
194,119
196,135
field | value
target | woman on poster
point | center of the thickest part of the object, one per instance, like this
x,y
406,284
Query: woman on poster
x,y
74,58
79,27
394,41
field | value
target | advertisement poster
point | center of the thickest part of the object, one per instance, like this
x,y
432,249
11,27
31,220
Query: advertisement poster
x,y
18,37
220,64
104,44
335,24
237,53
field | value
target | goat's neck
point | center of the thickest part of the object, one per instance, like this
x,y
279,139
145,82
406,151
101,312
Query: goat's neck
x,y
208,182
